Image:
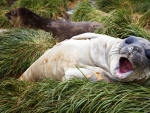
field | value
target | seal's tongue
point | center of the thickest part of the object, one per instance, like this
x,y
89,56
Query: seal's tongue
x,y
125,65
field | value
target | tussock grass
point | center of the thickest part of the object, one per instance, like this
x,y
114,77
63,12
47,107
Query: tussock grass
x,y
138,6
20,48
72,96
3,3
46,8
86,12
141,6
4,22
4,6
145,20
110,5
120,23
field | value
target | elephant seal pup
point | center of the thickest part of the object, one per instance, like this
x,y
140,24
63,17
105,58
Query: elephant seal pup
x,y
23,17
94,57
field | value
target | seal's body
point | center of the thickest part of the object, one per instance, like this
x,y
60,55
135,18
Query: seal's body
x,y
23,17
95,57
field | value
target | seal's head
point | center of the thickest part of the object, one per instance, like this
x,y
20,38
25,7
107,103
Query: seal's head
x,y
131,60
14,17
20,17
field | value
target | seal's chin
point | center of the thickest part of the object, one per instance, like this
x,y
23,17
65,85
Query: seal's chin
x,y
125,68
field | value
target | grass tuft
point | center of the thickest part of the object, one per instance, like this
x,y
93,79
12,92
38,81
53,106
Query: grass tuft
x,y
72,96
86,12
46,8
145,20
4,22
20,48
140,6
120,23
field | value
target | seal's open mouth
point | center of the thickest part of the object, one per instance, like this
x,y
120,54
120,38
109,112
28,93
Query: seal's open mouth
x,y
125,68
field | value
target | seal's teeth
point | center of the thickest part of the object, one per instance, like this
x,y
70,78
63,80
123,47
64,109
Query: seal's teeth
x,y
120,75
123,75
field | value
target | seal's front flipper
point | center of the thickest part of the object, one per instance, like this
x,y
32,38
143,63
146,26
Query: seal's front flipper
x,y
82,73
85,36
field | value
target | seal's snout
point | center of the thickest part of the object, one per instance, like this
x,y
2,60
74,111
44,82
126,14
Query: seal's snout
x,y
132,45
133,49
137,45
8,16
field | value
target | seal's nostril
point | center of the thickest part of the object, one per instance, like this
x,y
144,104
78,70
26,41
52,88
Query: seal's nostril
x,y
133,49
129,40
147,53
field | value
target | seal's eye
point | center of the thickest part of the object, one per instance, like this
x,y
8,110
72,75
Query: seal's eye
x,y
13,12
129,40
147,53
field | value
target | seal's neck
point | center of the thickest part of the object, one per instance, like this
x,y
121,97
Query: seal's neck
x,y
100,51
35,21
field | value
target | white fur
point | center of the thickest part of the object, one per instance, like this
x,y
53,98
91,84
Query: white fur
x,y
80,57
